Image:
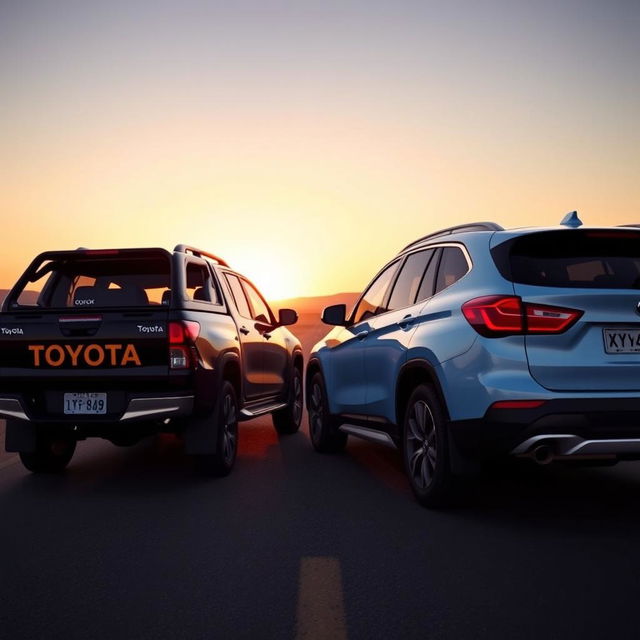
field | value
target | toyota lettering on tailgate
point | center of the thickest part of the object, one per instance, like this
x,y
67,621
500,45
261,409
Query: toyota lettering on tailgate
x,y
92,355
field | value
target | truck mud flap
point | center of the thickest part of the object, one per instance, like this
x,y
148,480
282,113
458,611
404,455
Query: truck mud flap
x,y
201,435
20,436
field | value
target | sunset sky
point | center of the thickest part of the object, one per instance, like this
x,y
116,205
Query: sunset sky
x,y
306,142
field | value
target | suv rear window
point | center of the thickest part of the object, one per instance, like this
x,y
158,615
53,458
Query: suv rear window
x,y
88,282
593,259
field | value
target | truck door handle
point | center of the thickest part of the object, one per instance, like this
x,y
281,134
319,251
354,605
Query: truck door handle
x,y
244,330
406,321
362,335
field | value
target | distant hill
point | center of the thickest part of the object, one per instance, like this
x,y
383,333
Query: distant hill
x,y
315,305
28,297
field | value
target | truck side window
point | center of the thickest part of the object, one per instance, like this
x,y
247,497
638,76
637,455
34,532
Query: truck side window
x,y
239,297
199,285
261,311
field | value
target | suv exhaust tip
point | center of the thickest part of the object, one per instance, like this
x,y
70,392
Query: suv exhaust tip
x,y
542,454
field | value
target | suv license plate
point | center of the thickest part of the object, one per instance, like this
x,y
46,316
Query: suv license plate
x,y
85,403
621,340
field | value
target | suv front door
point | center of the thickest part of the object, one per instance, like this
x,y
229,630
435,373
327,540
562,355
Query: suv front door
x,y
344,371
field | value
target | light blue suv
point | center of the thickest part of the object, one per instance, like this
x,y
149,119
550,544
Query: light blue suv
x,y
478,341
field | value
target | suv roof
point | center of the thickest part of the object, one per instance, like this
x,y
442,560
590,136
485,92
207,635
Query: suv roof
x,y
569,221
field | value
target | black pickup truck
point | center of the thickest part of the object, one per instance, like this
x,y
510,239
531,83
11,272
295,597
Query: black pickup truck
x,y
124,343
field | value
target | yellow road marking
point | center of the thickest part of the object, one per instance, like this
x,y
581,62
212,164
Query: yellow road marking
x,y
321,612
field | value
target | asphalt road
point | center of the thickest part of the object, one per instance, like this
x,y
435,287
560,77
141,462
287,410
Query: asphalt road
x,y
130,544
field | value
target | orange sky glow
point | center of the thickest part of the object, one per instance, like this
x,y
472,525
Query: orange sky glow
x,y
308,147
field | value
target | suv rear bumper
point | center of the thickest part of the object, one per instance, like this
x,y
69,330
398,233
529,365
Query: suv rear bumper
x,y
147,406
568,427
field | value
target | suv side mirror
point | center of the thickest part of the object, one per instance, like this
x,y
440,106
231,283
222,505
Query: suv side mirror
x,y
287,317
335,315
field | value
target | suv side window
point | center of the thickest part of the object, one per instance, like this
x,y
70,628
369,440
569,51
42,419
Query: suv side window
x,y
199,285
239,297
373,298
452,267
428,284
406,287
261,311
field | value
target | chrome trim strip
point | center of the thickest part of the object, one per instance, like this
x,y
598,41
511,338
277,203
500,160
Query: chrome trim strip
x,y
530,442
141,407
368,434
564,445
617,445
12,408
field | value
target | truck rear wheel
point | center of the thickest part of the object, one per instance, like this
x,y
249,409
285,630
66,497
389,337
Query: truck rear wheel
x,y
225,414
288,420
52,454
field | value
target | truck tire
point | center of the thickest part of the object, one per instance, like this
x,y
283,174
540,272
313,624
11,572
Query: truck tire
x,y
225,415
288,420
51,455
323,430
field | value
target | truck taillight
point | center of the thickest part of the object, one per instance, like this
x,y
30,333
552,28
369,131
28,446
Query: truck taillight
x,y
496,316
182,338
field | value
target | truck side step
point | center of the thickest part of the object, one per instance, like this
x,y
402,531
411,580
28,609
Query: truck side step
x,y
253,412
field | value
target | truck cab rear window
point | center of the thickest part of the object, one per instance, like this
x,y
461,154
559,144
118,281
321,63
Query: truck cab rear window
x,y
106,282
572,258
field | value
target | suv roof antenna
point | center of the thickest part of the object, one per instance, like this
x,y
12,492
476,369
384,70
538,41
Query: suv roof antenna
x,y
571,220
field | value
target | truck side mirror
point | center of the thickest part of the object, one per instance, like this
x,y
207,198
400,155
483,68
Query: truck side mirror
x,y
287,317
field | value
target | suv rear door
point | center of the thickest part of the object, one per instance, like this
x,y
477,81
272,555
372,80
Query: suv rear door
x,y
596,271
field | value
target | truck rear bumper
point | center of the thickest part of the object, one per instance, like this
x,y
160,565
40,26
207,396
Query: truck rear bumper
x,y
138,407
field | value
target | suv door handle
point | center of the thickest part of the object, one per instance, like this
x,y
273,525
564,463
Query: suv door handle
x,y
362,335
406,321
244,330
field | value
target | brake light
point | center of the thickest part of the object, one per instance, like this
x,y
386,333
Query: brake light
x,y
496,316
182,350
183,331
101,252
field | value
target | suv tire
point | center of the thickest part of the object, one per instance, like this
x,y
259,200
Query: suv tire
x,y
225,415
288,420
323,430
52,455
426,448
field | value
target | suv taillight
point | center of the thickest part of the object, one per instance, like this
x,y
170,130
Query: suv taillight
x,y
496,316
182,338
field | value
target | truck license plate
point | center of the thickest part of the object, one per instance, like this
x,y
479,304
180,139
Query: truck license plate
x,y
85,403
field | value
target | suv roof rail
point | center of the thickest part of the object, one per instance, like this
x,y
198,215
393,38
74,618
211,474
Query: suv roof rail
x,y
461,228
199,253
